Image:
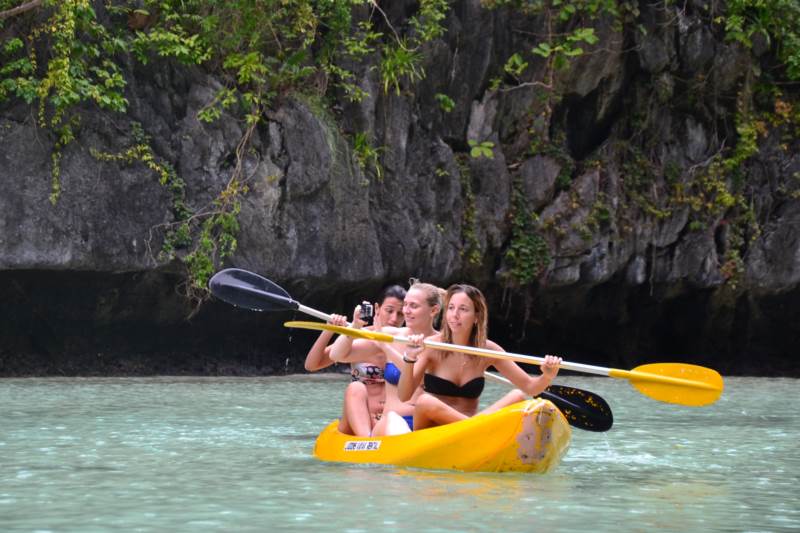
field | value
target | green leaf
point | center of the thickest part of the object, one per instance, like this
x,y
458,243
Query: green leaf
x,y
13,44
543,49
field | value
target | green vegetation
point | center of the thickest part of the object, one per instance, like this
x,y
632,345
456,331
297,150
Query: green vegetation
x,y
515,65
142,152
528,255
776,23
398,63
566,47
713,190
471,250
445,102
481,149
216,226
65,58
367,155
566,27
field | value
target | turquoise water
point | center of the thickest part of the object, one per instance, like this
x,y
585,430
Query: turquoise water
x,y
234,454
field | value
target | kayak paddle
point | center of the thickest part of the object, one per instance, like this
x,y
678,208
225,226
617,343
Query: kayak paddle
x,y
248,290
679,383
581,408
241,288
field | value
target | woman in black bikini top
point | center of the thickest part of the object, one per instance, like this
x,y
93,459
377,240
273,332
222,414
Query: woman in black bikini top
x,y
444,387
453,382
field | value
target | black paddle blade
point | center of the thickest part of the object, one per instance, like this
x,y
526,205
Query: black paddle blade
x,y
242,288
582,409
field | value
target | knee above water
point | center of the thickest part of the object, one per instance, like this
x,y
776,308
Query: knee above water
x,y
356,389
426,401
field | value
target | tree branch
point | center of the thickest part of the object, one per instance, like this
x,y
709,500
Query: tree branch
x,y
14,11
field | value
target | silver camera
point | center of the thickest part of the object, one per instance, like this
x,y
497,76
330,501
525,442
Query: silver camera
x,y
367,311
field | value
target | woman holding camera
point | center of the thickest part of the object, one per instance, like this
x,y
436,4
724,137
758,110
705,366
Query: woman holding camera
x,y
365,395
421,307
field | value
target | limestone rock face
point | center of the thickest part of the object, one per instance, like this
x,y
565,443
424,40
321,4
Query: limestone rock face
x,y
102,219
635,271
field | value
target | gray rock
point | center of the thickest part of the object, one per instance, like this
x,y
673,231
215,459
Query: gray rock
x,y
654,51
598,64
773,263
696,140
697,44
317,221
636,272
106,217
538,176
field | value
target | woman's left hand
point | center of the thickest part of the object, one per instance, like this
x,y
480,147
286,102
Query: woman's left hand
x,y
377,323
550,366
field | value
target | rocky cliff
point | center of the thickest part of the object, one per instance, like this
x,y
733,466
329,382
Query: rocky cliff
x,y
611,222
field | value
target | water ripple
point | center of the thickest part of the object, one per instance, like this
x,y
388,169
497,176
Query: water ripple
x,y
188,454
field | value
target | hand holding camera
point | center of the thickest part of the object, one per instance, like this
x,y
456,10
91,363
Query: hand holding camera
x,y
367,312
362,315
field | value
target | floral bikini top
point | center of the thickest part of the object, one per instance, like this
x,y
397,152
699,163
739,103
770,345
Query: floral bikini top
x,y
366,373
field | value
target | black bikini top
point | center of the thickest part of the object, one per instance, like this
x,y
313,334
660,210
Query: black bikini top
x,y
445,387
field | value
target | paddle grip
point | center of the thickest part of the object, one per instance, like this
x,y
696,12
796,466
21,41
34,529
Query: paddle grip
x,y
316,314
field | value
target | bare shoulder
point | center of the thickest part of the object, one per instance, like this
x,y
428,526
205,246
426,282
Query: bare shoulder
x,y
490,344
434,354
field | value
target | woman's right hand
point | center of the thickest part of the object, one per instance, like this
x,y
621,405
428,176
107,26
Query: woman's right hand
x,y
357,322
338,320
550,366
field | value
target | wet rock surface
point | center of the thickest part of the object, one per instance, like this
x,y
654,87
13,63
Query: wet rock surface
x,y
84,289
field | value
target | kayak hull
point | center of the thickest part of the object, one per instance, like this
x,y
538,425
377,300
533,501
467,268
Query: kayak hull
x,y
530,436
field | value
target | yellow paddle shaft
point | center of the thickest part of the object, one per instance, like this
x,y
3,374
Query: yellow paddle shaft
x,y
712,382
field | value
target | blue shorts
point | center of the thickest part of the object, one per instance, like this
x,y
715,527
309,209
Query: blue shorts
x,y
410,421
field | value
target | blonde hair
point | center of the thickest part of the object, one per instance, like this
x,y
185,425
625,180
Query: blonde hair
x,y
479,333
433,294
433,297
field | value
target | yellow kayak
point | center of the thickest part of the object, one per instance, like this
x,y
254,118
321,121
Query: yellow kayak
x,y
530,436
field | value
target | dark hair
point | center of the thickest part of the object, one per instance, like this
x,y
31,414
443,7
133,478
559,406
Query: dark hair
x,y
392,291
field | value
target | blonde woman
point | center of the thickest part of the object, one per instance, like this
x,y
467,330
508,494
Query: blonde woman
x,y
421,307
